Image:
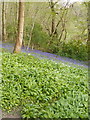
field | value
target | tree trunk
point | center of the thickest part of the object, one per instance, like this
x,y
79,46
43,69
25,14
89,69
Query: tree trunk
x,y
53,18
16,11
30,35
33,24
53,25
88,42
0,21
19,39
88,21
88,31
3,22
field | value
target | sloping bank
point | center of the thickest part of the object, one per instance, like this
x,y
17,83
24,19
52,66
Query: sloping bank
x,y
45,55
42,88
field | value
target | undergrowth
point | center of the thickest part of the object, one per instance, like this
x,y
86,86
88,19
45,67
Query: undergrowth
x,y
43,88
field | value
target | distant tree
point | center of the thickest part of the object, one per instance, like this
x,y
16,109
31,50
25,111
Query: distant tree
x,y
32,28
52,5
18,44
88,21
3,22
89,30
57,23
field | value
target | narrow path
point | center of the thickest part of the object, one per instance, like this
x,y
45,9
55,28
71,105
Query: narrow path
x,y
45,55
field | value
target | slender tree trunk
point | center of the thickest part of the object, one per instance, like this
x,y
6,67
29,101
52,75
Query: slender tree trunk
x,y
0,21
88,30
32,28
53,18
16,11
53,15
88,21
16,18
3,22
53,25
88,58
19,39
30,35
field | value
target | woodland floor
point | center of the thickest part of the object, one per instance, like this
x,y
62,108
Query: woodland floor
x,y
41,55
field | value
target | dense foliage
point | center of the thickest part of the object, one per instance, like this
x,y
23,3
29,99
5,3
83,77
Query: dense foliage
x,y
75,49
43,88
39,38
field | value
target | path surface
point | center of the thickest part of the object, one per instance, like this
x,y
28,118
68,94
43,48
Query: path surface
x,y
45,55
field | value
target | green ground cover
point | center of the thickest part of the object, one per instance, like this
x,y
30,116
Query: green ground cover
x,y
43,88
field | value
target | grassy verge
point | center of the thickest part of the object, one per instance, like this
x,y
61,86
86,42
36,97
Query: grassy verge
x,y
43,88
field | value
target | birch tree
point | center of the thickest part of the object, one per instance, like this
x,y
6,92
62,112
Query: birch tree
x,y
3,22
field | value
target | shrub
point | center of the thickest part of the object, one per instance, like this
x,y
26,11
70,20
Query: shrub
x,y
75,49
